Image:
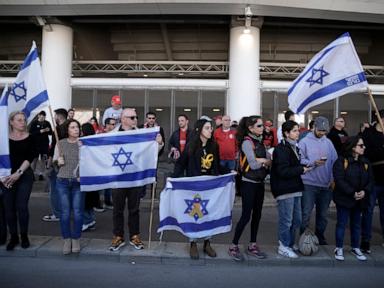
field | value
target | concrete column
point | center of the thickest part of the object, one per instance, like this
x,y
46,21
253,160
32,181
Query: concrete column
x,y
57,64
244,77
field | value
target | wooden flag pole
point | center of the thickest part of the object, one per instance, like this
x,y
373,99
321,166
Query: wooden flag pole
x,y
376,110
151,215
54,128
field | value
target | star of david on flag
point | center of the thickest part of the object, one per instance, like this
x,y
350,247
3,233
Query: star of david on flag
x,y
118,159
209,201
29,93
122,159
334,71
197,207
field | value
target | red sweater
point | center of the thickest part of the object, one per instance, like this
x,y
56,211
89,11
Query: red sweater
x,y
227,143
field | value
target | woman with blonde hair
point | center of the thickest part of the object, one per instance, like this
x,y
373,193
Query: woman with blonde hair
x,y
17,187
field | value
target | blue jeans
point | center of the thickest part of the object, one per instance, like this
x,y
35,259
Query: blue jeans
x,y
230,164
88,216
366,221
71,198
289,219
354,216
53,194
321,196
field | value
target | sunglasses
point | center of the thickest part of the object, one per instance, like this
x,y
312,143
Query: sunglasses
x,y
259,125
361,146
132,117
151,118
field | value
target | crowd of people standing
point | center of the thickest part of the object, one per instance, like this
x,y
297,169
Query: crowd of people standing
x,y
308,169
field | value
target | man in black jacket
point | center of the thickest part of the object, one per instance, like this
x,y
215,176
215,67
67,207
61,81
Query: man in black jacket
x,y
338,135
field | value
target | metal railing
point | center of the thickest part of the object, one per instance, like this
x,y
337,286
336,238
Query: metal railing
x,y
268,70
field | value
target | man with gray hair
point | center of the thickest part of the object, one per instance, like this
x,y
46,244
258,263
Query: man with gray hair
x,y
318,153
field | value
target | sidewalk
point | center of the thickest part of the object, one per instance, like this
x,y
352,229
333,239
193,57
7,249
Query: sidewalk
x,y
174,249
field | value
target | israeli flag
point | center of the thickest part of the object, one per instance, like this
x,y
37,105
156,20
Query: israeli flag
x,y
5,162
118,159
199,206
334,71
29,93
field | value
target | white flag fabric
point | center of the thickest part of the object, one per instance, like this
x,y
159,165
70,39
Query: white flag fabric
x,y
334,71
29,93
118,159
198,206
5,162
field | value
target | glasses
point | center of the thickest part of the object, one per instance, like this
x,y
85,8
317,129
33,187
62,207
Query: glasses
x,y
132,117
151,118
362,146
259,125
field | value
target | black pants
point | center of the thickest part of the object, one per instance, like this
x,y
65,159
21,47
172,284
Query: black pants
x,y
3,223
252,198
16,203
119,197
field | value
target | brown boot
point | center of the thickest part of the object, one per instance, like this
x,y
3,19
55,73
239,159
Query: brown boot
x,y
193,252
208,249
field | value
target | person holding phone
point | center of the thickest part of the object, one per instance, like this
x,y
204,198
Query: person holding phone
x,y
318,153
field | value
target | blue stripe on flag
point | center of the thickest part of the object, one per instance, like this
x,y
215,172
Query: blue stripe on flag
x,y
120,139
203,184
92,180
35,102
196,227
5,162
331,88
30,58
309,69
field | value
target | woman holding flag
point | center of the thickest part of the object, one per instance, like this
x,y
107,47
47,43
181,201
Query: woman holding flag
x,y
200,157
17,187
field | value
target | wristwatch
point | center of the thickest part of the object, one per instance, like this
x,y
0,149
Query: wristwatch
x,y
20,171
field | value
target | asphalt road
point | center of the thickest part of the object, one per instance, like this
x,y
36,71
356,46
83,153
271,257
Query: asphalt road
x,y
57,273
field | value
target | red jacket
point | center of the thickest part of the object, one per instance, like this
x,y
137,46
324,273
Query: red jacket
x,y
227,143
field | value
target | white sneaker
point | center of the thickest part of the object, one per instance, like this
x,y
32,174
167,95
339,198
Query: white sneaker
x,y
286,252
339,254
89,226
358,254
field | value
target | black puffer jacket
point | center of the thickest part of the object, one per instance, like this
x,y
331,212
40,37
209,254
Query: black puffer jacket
x,y
352,176
286,171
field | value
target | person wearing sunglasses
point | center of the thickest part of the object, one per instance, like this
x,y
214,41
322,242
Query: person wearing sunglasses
x,y
131,195
254,164
353,184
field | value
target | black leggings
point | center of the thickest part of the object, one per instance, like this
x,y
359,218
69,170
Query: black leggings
x,y
252,198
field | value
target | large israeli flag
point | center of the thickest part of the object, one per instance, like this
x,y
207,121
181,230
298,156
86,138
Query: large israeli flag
x,y
198,206
334,71
5,162
29,93
118,159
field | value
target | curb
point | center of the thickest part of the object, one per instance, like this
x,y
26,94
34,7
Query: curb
x,y
176,253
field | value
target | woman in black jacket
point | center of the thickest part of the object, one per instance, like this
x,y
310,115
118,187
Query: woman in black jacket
x,y
287,187
353,183
200,157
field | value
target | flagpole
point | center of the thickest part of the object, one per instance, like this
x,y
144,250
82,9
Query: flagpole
x,y
376,110
54,128
151,215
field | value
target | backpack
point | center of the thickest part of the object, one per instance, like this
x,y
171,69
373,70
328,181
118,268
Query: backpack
x,y
257,175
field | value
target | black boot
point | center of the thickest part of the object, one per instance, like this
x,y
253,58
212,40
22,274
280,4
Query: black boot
x,y
13,242
24,240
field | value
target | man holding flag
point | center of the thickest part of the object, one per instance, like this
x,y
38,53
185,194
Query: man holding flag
x,y
131,155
